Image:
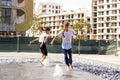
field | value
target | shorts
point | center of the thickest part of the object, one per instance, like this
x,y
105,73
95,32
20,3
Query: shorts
x,y
43,49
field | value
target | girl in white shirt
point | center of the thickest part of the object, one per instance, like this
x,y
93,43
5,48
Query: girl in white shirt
x,y
42,40
66,34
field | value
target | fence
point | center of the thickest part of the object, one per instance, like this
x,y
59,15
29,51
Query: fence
x,y
21,44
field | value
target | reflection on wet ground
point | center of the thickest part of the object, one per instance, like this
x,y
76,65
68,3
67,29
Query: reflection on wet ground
x,y
34,71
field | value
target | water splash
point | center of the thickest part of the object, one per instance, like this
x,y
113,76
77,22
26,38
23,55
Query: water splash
x,y
58,71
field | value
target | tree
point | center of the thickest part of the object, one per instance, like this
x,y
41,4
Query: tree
x,y
82,28
35,25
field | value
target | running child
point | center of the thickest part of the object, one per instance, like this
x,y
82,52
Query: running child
x,y
42,43
66,35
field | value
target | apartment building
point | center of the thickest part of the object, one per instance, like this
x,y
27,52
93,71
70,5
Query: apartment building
x,y
49,8
14,16
106,19
55,21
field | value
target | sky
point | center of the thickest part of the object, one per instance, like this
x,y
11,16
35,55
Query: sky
x,y
70,4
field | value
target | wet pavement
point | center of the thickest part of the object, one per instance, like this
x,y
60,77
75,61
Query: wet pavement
x,y
25,66
34,71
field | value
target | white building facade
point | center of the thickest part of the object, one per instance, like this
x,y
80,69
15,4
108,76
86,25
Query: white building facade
x,y
106,19
49,8
55,21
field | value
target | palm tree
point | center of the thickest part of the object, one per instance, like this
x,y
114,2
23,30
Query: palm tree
x,y
82,27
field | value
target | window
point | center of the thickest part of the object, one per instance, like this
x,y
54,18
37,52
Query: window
x,y
56,7
62,17
59,17
95,25
119,38
95,32
72,16
54,17
107,12
53,27
102,31
78,15
44,6
114,24
53,32
82,14
6,2
114,18
108,30
107,1
101,13
43,11
101,1
95,20
107,36
114,0
101,19
108,6
53,7
114,11
107,24
49,18
114,5
52,11
95,8
57,27
95,14
100,25
6,15
56,11
88,19
101,7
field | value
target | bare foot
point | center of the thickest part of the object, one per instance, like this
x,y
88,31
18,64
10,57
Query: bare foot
x,y
68,68
71,67
41,64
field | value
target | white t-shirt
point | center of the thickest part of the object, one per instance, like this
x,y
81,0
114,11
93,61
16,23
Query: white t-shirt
x,y
41,38
66,39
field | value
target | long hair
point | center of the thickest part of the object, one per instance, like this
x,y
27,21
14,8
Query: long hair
x,y
66,24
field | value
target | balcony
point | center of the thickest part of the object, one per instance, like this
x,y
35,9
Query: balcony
x,y
21,16
21,3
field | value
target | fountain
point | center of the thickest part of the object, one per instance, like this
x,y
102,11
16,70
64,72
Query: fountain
x,y
58,71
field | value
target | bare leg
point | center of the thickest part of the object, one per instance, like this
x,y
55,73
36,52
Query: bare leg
x,y
43,58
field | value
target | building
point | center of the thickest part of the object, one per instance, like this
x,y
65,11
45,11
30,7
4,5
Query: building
x,y
55,21
106,19
15,16
49,8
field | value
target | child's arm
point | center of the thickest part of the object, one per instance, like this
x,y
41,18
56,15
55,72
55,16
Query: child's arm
x,y
75,36
59,34
31,42
52,42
